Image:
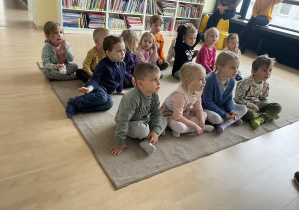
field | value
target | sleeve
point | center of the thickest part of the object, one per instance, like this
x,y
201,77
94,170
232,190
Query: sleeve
x,y
198,38
128,70
87,62
140,57
156,116
242,88
179,39
197,106
229,103
213,58
278,1
46,58
265,94
179,101
254,9
95,79
124,114
122,69
171,52
153,56
161,54
68,54
207,97
234,4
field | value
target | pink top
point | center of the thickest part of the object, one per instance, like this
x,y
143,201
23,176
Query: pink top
x,y
207,57
144,56
59,54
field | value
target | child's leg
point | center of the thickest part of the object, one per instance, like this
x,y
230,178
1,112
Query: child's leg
x,y
82,75
54,75
71,68
127,83
213,117
269,111
138,129
241,110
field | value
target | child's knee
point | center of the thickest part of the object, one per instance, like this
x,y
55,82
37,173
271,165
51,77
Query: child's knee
x,y
142,130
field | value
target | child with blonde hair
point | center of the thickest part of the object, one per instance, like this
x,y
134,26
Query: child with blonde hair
x,y
147,51
207,54
94,55
217,97
232,45
182,107
131,43
253,92
57,55
188,37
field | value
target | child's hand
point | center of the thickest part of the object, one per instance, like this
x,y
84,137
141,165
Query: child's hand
x,y
85,90
116,150
63,45
198,129
133,82
255,108
58,66
202,125
160,62
154,46
153,138
233,115
122,92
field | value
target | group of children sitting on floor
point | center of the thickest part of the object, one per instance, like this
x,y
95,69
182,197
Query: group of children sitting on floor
x,y
205,91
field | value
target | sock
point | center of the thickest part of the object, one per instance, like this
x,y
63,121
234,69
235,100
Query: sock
x,y
221,127
148,147
257,122
175,134
239,122
276,117
163,133
71,107
209,128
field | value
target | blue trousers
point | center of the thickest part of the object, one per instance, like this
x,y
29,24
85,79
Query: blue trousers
x,y
249,29
96,100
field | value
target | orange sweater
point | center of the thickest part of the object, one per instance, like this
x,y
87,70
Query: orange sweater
x,y
160,44
264,8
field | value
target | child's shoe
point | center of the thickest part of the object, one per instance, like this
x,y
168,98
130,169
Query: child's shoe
x,y
239,122
148,147
276,117
221,127
71,107
257,122
176,134
296,178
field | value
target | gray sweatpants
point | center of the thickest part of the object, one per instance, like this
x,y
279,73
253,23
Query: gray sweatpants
x,y
215,118
141,129
71,68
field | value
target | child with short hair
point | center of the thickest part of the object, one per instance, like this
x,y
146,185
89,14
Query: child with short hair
x,y
147,51
156,22
182,107
253,92
94,55
207,54
217,97
232,44
139,114
107,77
131,43
188,37
57,54
171,51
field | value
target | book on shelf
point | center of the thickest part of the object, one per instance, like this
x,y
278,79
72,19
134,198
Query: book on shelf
x,y
82,20
180,22
189,11
116,24
151,7
96,21
194,1
166,26
85,4
127,6
168,8
134,23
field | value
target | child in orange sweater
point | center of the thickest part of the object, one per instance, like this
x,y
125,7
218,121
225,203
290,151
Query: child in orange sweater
x,y
156,22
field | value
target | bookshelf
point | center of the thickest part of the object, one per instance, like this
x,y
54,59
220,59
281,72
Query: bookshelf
x,y
173,12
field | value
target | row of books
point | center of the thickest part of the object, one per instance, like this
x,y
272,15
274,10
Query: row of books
x,y
151,7
166,26
82,20
121,23
127,6
85,4
194,1
168,8
187,11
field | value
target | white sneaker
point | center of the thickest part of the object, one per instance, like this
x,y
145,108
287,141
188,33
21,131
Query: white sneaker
x,y
148,147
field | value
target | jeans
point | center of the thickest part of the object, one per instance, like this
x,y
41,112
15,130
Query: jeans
x,y
96,100
216,16
249,29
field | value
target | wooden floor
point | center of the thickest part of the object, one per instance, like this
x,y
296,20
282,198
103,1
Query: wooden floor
x,y
45,163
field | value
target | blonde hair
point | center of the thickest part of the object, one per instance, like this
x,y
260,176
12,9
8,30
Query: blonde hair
x,y
231,36
262,60
50,27
146,34
130,39
156,18
209,31
99,32
191,30
223,57
143,69
188,73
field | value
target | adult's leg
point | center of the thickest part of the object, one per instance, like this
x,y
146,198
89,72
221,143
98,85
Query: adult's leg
x,y
82,75
214,19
